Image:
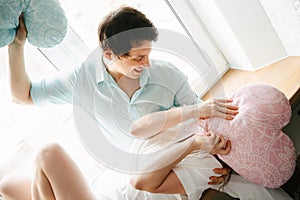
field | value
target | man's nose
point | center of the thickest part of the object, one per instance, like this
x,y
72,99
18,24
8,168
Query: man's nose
x,y
145,62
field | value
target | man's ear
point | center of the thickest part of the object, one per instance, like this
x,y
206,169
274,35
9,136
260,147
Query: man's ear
x,y
108,54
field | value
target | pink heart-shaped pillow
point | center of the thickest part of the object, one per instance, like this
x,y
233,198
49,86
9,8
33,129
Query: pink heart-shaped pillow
x,y
260,152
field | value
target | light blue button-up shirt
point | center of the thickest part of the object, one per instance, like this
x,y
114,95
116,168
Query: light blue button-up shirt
x,y
90,86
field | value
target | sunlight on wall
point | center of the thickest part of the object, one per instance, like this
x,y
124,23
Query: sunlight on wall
x,y
18,121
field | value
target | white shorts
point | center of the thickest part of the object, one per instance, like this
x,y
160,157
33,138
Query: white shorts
x,y
112,185
193,172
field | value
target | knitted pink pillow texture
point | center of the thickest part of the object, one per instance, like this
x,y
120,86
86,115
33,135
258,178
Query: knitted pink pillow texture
x,y
260,152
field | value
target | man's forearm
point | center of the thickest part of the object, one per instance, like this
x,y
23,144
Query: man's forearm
x,y
154,123
19,80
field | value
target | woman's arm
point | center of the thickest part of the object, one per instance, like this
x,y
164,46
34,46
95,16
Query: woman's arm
x,y
154,123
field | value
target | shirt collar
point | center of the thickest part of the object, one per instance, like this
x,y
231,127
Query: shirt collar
x,y
144,77
95,59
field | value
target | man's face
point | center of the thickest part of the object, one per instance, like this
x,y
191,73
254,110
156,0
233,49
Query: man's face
x,y
132,65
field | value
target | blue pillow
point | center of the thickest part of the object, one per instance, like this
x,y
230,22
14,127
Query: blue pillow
x,y
45,21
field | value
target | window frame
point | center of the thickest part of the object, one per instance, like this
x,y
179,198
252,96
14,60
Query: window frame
x,y
198,33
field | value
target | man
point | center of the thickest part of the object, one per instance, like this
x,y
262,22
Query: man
x,y
125,85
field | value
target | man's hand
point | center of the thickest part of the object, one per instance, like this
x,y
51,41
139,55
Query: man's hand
x,y
222,108
21,34
222,147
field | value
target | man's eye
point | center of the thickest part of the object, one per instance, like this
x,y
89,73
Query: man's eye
x,y
138,58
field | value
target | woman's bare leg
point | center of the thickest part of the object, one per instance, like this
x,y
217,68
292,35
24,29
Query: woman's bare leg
x,y
16,186
56,177
164,180
170,185
16,174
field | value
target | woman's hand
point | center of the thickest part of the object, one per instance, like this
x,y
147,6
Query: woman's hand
x,y
224,175
215,144
221,147
217,108
21,33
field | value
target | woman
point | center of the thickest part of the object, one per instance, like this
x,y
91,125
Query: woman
x,y
261,152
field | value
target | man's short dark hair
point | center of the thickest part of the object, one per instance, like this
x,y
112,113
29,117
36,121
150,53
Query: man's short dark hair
x,y
123,28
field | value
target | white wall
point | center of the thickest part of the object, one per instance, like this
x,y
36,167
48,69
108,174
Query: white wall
x,y
220,31
242,30
285,17
198,30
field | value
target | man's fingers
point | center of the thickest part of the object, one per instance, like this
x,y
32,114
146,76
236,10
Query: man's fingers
x,y
230,110
22,25
227,149
223,100
226,104
221,143
221,147
225,109
21,21
226,113
21,33
222,108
